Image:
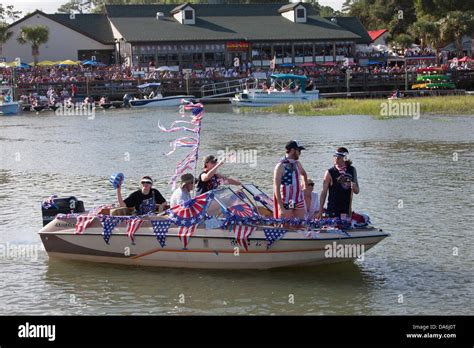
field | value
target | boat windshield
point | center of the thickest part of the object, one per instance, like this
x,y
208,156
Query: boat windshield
x,y
260,197
226,198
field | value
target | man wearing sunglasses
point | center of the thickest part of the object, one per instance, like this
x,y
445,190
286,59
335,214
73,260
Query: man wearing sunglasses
x,y
340,181
145,200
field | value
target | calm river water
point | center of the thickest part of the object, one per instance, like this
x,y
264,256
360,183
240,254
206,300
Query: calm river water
x,y
416,183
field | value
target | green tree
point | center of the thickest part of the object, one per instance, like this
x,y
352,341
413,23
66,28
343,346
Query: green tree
x,y
402,41
455,25
34,35
422,29
76,6
8,13
5,35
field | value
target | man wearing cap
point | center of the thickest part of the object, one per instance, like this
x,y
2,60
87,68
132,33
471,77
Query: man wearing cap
x,y
209,179
340,181
145,200
183,192
289,181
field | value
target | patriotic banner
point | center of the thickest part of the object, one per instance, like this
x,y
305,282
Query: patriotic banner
x,y
242,234
132,227
189,215
188,164
108,225
82,222
273,234
160,228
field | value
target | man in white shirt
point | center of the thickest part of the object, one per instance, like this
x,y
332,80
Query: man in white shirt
x,y
183,192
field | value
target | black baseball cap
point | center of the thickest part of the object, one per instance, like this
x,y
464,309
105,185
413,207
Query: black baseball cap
x,y
294,144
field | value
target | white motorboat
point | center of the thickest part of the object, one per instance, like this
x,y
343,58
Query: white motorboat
x,y
234,230
285,89
7,105
154,98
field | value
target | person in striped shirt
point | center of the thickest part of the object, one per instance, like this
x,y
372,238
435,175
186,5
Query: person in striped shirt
x,y
289,181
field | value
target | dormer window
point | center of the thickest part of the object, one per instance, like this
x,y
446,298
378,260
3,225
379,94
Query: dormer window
x,y
188,15
300,13
184,14
295,12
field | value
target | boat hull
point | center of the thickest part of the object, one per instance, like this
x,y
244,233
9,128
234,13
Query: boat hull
x,y
9,108
259,98
159,102
207,248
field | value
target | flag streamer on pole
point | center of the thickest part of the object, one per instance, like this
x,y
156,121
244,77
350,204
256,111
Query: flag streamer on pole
x,y
188,164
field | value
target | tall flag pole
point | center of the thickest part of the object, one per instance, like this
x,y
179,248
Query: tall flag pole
x,y
193,125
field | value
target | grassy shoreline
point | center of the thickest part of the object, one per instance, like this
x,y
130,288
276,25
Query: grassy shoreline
x,y
380,108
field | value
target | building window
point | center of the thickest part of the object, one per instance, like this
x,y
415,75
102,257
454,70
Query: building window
x,y
300,13
188,15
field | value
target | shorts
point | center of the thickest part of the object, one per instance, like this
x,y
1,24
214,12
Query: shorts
x,y
297,206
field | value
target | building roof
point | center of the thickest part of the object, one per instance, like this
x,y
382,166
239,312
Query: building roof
x,y
354,25
253,22
375,34
179,8
288,7
94,26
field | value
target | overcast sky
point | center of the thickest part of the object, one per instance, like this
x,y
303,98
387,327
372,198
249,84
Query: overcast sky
x,y
50,6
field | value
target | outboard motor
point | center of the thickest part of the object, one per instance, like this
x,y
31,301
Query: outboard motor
x,y
126,99
55,206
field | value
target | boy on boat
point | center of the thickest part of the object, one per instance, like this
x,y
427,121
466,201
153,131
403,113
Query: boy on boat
x,y
340,181
183,192
289,182
209,179
145,200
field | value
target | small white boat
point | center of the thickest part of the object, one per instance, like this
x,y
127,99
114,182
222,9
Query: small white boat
x,y
7,105
155,98
213,245
284,90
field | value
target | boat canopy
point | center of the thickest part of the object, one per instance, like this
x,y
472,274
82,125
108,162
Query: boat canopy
x,y
148,85
301,78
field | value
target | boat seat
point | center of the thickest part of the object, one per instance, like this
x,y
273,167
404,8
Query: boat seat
x,y
122,211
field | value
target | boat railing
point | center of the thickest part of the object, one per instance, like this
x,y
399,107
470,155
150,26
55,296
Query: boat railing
x,y
228,87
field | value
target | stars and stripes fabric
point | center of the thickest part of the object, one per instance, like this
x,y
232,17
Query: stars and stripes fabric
x,y
273,234
132,227
187,216
82,222
241,210
108,225
242,234
48,203
290,187
160,228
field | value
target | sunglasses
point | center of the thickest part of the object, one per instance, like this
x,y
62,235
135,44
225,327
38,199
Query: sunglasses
x,y
145,182
312,184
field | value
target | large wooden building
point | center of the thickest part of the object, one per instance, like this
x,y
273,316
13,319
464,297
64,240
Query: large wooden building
x,y
202,35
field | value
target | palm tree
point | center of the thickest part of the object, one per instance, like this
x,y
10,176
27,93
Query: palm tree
x,y
422,29
5,35
455,25
36,36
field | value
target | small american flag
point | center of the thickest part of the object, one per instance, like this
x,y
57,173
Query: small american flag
x,y
242,233
108,225
83,222
160,227
133,226
185,234
273,234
